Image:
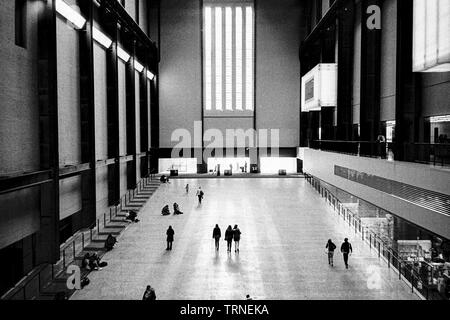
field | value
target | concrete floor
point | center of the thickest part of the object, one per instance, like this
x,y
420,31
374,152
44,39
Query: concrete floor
x,y
285,226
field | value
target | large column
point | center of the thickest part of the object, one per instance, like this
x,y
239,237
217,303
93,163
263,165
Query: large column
x,y
408,106
112,111
370,81
131,114
87,107
48,236
346,23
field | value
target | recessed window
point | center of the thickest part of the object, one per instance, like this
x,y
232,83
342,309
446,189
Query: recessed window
x,y
229,56
21,23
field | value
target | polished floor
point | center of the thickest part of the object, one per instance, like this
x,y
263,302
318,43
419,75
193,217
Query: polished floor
x,y
285,225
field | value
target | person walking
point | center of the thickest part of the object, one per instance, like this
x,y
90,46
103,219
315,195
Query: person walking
x,y
170,233
187,188
331,247
149,294
229,238
346,249
200,195
216,236
236,237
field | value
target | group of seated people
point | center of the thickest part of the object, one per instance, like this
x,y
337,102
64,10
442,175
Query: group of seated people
x,y
132,216
164,179
176,210
92,262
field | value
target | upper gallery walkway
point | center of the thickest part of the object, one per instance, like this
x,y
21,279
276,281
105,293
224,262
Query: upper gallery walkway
x,y
285,226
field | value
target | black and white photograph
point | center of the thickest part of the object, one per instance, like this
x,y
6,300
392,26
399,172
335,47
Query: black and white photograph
x,y
223,157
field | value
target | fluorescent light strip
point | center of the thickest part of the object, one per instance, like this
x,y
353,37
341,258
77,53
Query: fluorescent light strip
x,y
150,75
70,14
138,67
101,38
123,55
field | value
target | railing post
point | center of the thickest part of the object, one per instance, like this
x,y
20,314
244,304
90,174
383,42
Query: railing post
x,y
74,249
98,226
104,220
370,240
82,241
378,249
389,258
90,234
64,258
399,270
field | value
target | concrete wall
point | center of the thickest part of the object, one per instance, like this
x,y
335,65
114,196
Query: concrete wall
x,y
180,68
435,94
278,34
321,164
19,125
101,126
69,120
277,69
19,110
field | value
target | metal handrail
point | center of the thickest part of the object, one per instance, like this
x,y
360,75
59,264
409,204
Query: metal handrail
x,y
407,274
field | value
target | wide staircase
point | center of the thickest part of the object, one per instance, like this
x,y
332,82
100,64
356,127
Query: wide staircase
x,y
47,282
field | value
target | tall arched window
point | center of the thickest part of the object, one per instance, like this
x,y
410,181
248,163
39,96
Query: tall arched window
x,y
228,56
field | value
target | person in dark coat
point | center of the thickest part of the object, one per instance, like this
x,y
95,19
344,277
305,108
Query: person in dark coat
x,y
216,236
229,238
346,249
149,294
110,242
170,233
165,211
236,237
200,194
331,247
176,209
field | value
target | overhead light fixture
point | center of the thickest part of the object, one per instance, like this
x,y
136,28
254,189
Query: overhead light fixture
x,y
431,32
137,66
150,75
101,38
122,54
70,14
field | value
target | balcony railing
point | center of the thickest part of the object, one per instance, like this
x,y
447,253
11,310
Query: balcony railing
x,y
405,269
436,154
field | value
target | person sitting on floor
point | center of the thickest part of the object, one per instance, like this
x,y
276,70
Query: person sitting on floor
x,y
165,211
132,216
95,263
110,242
164,179
176,209
85,261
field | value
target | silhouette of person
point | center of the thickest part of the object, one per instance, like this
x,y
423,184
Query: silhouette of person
x,y
216,236
236,237
331,247
229,238
346,249
170,233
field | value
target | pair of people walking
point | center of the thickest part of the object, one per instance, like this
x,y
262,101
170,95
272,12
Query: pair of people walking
x,y
346,249
230,235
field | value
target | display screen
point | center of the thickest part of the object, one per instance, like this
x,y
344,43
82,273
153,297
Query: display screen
x,y
309,90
